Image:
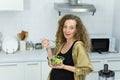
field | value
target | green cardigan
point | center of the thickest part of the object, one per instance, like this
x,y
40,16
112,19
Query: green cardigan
x,y
81,61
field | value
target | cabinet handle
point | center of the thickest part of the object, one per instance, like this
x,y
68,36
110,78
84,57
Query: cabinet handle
x,y
113,60
8,65
32,64
117,70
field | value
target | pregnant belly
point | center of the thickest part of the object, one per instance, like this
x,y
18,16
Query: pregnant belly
x,y
57,74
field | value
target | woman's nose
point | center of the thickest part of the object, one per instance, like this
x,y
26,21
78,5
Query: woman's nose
x,y
67,30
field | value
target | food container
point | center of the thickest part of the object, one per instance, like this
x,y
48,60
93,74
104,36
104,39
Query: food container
x,y
38,46
56,60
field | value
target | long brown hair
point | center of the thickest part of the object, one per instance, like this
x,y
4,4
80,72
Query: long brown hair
x,y
80,35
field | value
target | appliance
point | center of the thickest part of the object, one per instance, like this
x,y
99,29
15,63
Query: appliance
x,y
103,43
106,74
74,6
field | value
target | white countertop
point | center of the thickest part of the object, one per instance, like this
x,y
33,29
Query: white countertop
x,y
104,55
41,55
24,56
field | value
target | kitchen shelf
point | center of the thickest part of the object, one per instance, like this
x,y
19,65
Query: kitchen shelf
x,y
66,7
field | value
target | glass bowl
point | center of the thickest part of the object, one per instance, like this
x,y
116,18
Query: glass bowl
x,y
57,60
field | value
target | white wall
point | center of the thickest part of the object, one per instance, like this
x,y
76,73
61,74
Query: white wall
x,y
116,23
102,21
36,19
40,19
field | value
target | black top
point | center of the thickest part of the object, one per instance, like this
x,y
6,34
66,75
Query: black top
x,y
61,74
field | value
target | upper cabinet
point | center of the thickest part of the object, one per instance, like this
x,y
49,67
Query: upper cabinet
x,y
11,5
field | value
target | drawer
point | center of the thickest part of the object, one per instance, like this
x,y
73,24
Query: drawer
x,y
114,64
92,76
97,65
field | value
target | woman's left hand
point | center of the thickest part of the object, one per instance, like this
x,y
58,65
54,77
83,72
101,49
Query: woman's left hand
x,y
61,66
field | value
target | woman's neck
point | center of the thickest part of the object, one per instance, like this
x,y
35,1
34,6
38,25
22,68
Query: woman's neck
x,y
69,41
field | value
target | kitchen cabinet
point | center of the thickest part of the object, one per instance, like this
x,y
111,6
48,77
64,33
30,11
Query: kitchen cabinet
x,y
98,64
33,65
45,69
40,70
20,71
33,71
9,5
11,71
114,64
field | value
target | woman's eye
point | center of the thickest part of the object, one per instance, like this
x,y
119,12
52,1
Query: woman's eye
x,y
64,27
71,27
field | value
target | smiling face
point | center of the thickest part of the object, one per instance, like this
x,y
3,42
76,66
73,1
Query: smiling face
x,y
69,29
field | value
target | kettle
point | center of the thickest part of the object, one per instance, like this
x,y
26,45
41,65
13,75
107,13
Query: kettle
x,y
106,74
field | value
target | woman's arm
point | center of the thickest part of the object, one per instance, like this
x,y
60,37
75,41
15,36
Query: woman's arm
x,y
66,67
46,44
69,68
49,51
82,62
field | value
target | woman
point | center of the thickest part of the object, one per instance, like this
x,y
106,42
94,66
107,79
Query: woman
x,y
72,42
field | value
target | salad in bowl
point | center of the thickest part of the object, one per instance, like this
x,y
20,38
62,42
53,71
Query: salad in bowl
x,y
56,60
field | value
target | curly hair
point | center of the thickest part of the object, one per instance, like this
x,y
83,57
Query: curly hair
x,y
81,32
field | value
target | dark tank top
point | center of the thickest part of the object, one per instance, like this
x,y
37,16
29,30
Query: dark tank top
x,y
61,74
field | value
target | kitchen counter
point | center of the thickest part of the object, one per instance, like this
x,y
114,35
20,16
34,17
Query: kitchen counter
x,y
104,55
24,56
41,55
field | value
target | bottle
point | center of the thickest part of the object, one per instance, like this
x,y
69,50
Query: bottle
x,y
27,45
31,45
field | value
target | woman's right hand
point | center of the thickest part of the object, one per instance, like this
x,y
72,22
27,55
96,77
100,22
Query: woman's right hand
x,y
45,43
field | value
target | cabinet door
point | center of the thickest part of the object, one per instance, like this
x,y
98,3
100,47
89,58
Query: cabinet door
x,y
114,65
33,71
92,76
97,65
11,71
11,5
45,70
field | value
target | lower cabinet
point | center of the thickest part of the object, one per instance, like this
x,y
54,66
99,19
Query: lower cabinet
x,y
33,71
45,69
92,76
11,71
114,65
40,70
98,64
20,71
24,71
